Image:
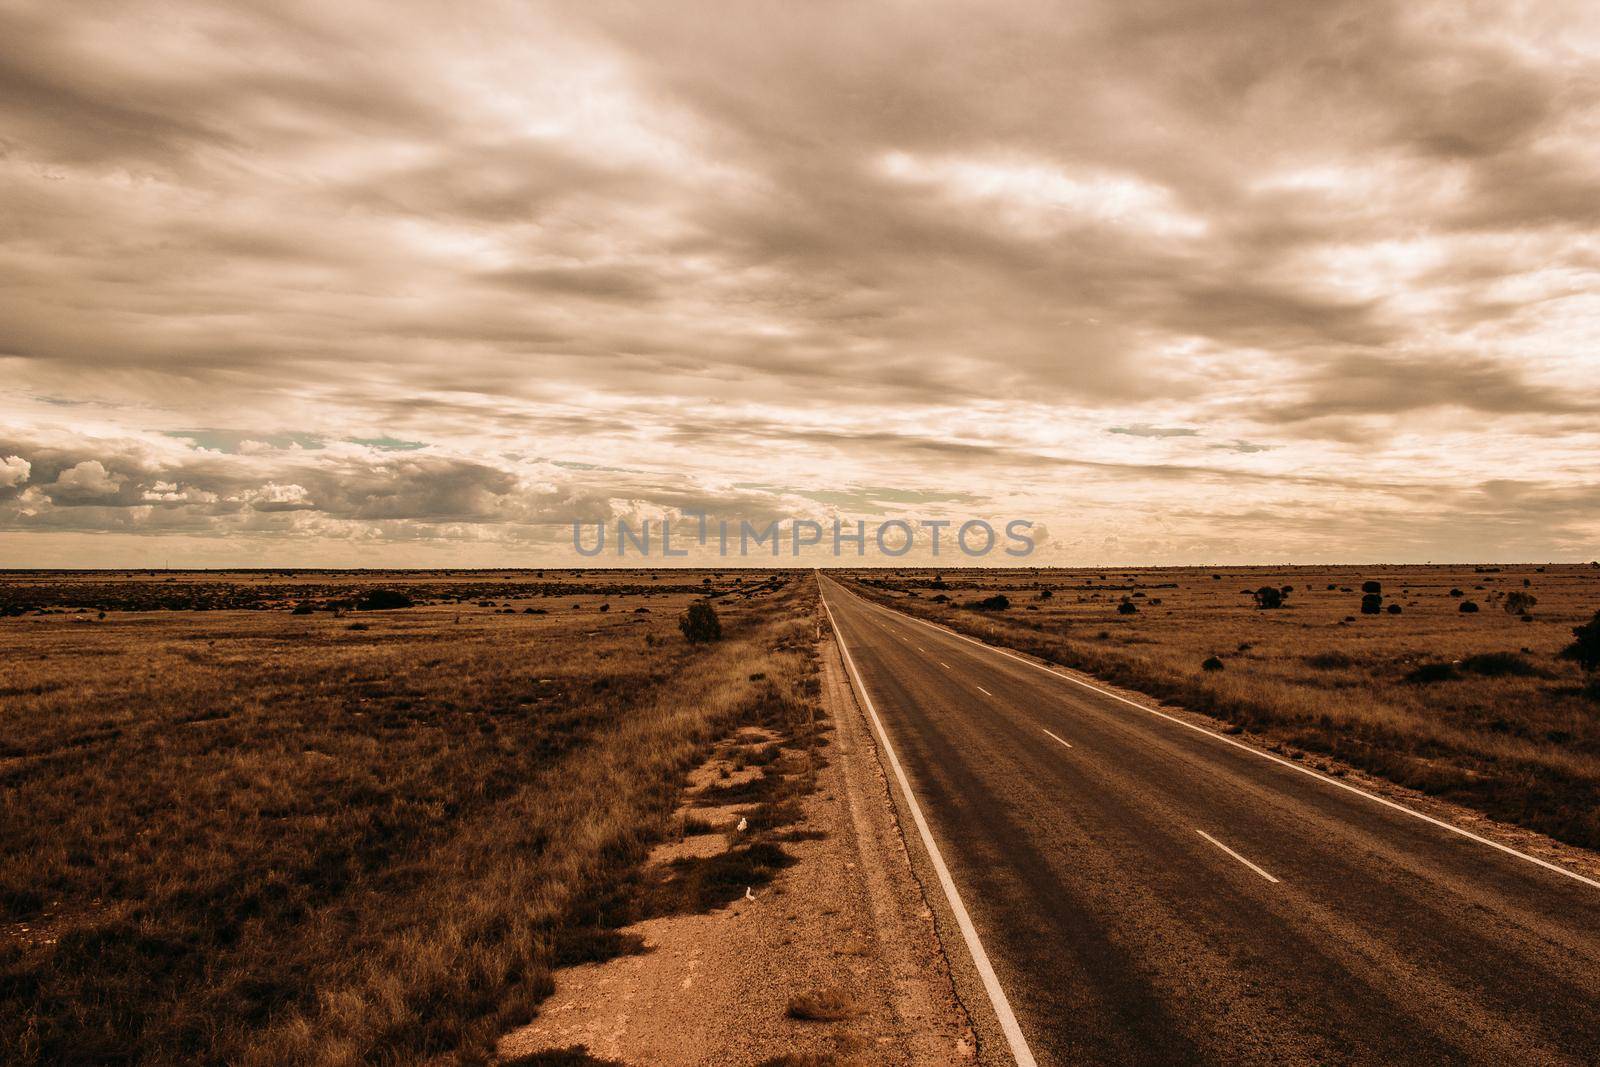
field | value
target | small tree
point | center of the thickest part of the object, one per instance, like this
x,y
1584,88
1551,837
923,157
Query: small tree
x,y
700,624
1372,587
1372,603
1586,649
1518,603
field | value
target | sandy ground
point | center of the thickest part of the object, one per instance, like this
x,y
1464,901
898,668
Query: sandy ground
x,y
716,988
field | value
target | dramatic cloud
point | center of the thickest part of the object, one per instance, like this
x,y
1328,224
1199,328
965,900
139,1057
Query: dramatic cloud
x,y
428,282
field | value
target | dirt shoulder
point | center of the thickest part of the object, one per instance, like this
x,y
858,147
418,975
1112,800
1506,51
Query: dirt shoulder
x,y
844,934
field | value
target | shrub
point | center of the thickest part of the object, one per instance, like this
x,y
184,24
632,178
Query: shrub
x,y
1127,607
941,599
1467,606
384,600
1498,665
1519,603
1394,609
1329,661
1045,594
1372,587
998,602
700,624
1457,592
1211,664
1268,597
302,609
1372,603
1586,648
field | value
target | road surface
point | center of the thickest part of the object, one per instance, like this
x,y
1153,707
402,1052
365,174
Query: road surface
x,y
1146,892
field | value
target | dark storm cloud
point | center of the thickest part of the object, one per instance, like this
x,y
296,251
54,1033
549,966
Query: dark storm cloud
x,y
1292,250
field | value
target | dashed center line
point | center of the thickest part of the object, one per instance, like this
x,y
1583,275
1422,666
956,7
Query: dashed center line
x,y
943,664
1234,854
1063,740
982,690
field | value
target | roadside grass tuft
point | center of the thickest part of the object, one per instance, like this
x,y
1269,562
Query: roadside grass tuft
x,y
826,1004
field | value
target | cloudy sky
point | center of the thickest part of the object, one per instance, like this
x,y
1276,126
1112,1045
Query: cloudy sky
x,y
1181,281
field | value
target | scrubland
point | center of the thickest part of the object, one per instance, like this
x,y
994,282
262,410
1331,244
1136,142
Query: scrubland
x,y
259,837
1475,706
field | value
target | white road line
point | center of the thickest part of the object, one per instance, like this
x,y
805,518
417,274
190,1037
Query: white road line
x,y
1236,856
982,690
1063,740
943,664
1346,786
980,959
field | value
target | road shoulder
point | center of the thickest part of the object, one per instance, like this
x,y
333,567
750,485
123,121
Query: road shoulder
x,y
847,922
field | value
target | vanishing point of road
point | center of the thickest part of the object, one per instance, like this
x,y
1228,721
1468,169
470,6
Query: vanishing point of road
x,y
1137,890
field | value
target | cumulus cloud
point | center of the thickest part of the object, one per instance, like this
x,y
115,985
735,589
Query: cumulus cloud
x,y
84,481
13,471
423,275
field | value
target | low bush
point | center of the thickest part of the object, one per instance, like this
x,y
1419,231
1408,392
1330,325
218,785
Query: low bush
x,y
1212,663
1372,587
1372,603
1520,603
699,623
1468,606
998,602
1585,648
384,600
1127,607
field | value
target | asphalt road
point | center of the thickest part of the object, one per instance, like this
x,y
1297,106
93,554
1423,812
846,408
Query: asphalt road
x,y
1146,892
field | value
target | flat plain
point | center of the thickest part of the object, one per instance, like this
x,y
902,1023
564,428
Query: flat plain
x,y
234,833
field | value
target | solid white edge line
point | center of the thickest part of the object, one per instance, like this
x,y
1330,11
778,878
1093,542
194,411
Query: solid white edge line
x,y
1347,787
980,959
1063,740
1236,856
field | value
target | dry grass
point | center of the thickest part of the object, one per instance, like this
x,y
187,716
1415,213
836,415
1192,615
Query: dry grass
x,y
828,1004
1474,707
261,838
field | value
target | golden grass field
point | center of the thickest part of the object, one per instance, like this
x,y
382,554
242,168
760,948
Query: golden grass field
x,y
1475,707
252,836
